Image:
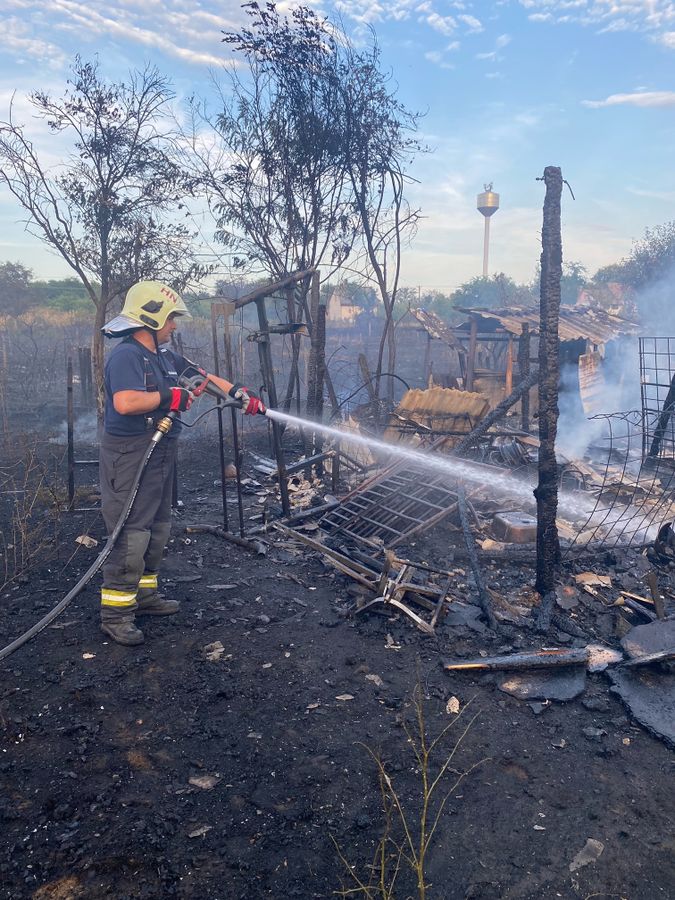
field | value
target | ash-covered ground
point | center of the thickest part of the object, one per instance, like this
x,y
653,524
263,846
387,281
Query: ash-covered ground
x,y
184,769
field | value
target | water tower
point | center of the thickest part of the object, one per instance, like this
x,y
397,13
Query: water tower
x,y
487,203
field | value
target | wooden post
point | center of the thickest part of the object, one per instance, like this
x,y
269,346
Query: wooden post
x,y
509,366
427,360
4,384
267,369
524,371
70,417
471,356
546,492
367,376
294,376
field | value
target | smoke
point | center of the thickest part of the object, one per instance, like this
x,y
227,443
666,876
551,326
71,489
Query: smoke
x,y
615,388
85,431
656,306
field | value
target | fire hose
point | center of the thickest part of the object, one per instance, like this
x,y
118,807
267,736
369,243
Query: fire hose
x,y
197,384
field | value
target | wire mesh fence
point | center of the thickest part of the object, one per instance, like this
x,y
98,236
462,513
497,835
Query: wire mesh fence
x,y
634,492
657,385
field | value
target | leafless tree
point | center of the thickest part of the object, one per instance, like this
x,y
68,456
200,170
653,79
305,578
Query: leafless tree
x,y
380,145
104,208
310,158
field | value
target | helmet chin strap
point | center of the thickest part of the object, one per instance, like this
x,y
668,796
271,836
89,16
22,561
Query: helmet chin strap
x,y
160,358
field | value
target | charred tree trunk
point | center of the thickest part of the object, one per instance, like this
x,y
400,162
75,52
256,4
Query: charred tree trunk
x,y
546,493
293,378
313,364
97,356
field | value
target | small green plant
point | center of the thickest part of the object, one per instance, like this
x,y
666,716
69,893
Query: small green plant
x,y
408,828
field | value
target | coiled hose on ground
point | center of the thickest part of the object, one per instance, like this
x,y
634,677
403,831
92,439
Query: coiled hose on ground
x,y
163,427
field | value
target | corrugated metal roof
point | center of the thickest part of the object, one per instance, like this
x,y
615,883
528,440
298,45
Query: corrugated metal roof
x,y
575,322
437,328
442,410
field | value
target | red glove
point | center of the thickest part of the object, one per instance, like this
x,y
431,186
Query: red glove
x,y
177,399
254,406
249,402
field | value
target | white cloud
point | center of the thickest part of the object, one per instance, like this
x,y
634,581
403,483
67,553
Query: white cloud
x,y
473,24
665,196
667,39
643,98
445,24
18,42
650,17
183,35
436,57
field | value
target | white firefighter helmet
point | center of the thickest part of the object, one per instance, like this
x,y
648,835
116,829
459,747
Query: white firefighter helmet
x,y
147,304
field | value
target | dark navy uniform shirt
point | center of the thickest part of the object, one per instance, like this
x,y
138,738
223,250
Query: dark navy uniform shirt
x,y
132,367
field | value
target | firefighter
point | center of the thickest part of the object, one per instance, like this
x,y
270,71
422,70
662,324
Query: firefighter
x,y
141,386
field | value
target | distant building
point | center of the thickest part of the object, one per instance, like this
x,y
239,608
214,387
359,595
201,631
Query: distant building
x,y
614,298
341,306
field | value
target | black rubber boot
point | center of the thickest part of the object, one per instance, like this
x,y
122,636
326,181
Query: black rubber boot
x,y
156,605
123,631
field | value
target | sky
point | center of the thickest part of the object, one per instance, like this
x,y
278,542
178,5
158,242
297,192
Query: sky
x,y
505,88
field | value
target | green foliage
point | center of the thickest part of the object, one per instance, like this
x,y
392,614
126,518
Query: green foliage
x,y
15,289
103,209
574,278
278,182
615,272
65,294
495,292
652,259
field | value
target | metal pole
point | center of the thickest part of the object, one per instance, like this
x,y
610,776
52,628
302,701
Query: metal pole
x,y
486,246
267,368
238,453
71,429
221,436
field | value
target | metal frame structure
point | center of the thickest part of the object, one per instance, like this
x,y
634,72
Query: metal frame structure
x,y
657,389
636,493
394,505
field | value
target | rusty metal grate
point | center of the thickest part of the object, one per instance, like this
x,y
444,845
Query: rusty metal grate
x,y
391,507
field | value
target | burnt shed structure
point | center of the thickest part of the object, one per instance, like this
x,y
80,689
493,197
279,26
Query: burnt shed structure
x,y
497,343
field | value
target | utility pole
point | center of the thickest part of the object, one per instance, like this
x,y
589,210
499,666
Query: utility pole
x,y
487,204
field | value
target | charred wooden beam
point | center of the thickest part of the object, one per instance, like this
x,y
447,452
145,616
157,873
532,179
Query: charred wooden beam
x,y
546,492
483,595
254,546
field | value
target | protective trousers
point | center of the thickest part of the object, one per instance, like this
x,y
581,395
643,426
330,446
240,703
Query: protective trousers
x,y
134,560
